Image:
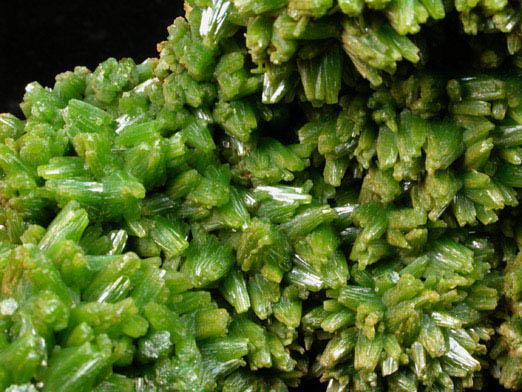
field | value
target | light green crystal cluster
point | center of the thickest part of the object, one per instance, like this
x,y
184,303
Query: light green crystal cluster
x,y
275,198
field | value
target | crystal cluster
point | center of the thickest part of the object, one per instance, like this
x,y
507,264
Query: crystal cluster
x,y
291,190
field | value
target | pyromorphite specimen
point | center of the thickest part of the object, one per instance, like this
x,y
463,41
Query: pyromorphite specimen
x,y
278,197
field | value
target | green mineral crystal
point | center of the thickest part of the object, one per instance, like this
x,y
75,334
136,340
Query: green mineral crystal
x,y
292,191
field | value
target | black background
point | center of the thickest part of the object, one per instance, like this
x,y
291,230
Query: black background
x,y
41,38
